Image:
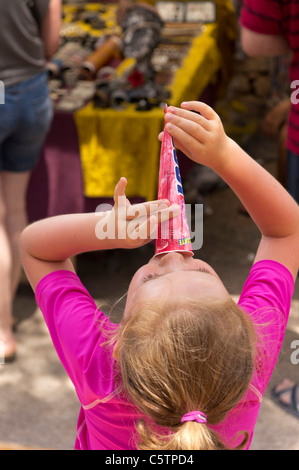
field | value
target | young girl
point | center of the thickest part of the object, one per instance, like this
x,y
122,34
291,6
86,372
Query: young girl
x,y
187,367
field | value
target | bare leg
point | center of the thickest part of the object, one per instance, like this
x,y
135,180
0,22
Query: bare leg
x,y
6,336
13,188
14,192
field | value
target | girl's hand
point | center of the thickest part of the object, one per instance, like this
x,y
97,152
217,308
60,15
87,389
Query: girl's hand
x,y
199,135
135,225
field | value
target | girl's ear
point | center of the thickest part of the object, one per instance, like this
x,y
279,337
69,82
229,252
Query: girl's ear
x,y
115,351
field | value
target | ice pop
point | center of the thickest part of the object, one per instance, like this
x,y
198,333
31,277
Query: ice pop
x,y
173,235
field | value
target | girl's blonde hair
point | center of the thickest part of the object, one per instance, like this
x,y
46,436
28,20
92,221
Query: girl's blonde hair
x,y
178,358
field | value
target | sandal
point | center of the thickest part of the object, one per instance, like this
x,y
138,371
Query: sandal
x,y
293,406
9,358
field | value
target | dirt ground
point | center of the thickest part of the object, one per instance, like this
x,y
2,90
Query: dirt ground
x,y
38,406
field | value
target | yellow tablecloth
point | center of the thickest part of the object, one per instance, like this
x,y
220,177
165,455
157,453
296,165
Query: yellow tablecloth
x,y
116,144
125,143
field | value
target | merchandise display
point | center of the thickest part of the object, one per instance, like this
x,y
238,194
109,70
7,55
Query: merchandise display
x,y
109,103
115,56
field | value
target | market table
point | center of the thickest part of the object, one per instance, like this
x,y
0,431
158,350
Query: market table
x,y
87,151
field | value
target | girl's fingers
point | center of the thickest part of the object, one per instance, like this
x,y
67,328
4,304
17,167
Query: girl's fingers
x,y
205,110
176,144
173,114
146,208
119,192
189,125
153,227
190,142
156,205
160,208
169,213
146,228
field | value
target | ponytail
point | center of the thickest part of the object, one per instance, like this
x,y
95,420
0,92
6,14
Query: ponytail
x,y
177,358
189,436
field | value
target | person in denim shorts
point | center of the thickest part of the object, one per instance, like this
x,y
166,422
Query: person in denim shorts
x,y
29,34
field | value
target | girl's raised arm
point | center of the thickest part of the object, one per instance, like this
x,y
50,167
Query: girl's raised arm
x,y
201,136
48,245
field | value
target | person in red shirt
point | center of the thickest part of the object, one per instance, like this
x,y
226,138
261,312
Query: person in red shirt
x,y
270,28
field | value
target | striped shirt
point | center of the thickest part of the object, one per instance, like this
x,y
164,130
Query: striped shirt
x,y
279,17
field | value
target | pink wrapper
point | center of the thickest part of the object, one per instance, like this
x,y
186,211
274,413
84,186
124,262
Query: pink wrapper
x,y
173,235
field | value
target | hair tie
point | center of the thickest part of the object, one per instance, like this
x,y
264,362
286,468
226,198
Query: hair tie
x,y
197,416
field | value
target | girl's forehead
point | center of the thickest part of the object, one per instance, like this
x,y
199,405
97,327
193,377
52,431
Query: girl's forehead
x,y
182,284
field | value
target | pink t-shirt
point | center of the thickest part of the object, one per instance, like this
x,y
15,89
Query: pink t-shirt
x,y
106,420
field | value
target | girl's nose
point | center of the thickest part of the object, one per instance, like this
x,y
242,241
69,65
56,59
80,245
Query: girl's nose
x,y
174,258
